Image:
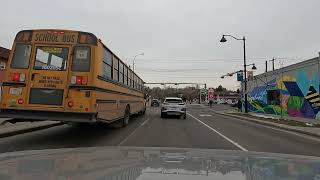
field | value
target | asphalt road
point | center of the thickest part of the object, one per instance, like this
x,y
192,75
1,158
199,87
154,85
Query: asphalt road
x,y
202,129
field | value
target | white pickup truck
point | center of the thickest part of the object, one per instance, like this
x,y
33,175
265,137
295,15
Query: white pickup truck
x,y
173,106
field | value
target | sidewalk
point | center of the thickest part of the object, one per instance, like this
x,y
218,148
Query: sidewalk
x,y
10,129
3,120
269,120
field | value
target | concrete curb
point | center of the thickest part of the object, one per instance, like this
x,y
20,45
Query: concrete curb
x,y
16,131
269,124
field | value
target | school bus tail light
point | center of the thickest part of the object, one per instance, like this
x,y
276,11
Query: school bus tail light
x,y
18,77
79,80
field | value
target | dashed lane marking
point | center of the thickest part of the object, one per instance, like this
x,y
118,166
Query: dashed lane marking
x,y
205,115
126,139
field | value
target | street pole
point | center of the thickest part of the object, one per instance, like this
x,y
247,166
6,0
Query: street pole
x,y
199,95
273,59
133,62
266,66
273,64
135,59
245,76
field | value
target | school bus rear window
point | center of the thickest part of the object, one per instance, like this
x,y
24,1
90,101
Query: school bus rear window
x,y
81,59
51,58
21,56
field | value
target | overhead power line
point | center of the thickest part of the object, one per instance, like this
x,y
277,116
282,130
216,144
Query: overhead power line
x,y
159,60
170,70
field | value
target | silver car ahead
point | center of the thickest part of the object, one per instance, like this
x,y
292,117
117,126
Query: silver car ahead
x,y
173,106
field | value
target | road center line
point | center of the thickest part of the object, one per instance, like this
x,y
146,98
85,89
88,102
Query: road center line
x,y
223,136
126,139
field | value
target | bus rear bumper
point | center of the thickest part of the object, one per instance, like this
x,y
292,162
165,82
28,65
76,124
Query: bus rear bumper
x,y
28,115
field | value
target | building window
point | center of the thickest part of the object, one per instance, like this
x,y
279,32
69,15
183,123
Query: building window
x,y
273,97
107,64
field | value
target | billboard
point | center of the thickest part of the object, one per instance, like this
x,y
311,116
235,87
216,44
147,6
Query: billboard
x,y
210,94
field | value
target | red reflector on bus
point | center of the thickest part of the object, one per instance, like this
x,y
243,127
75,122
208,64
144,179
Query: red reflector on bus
x,y
20,101
70,103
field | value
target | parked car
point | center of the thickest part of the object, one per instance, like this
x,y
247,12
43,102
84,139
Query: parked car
x,y
173,106
234,104
155,102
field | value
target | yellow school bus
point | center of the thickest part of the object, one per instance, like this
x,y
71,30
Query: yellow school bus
x,y
68,76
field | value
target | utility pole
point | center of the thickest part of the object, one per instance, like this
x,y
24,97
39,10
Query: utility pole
x,y
266,66
273,63
245,76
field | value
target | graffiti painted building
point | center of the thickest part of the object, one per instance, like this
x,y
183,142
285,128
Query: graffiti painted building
x,y
288,91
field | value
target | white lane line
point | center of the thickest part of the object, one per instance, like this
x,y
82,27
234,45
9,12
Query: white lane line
x,y
269,127
144,122
126,139
223,136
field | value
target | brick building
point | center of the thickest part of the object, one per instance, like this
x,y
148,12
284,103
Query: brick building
x,y
4,55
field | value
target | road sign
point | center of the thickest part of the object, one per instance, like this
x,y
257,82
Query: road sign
x,y
204,91
239,76
210,94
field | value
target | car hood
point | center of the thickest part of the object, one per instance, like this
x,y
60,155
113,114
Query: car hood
x,y
132,163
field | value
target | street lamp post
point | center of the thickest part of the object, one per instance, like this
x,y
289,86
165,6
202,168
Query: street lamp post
x,y
223,39
135,58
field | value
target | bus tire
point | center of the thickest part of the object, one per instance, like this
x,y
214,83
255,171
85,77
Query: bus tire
x,y
126,117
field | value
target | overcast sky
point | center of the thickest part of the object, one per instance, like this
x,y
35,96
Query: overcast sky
x,y
180,38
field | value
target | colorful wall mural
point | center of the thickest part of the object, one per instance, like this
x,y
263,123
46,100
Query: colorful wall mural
x,y
289,91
